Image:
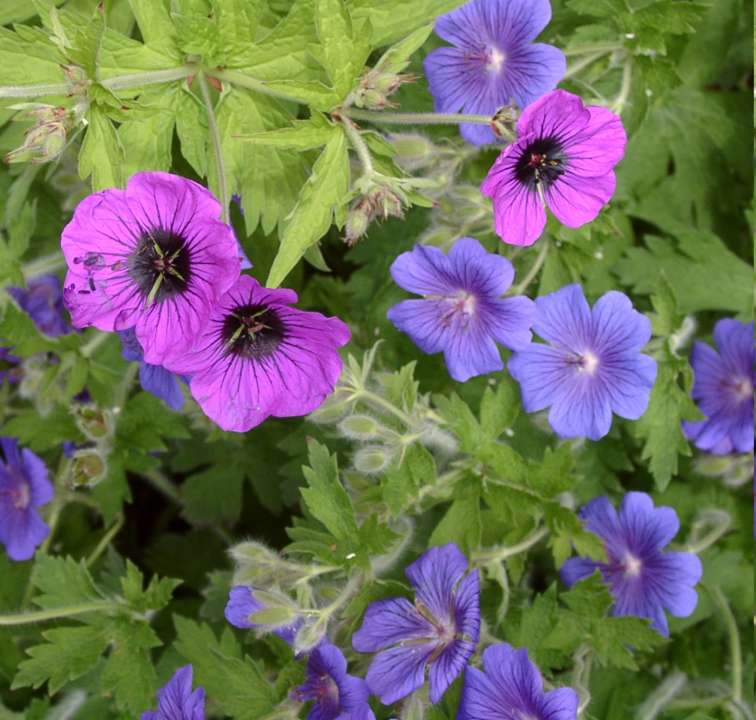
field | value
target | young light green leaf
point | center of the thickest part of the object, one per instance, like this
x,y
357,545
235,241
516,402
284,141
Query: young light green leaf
x,y
324,191
101,154
62,582
304,135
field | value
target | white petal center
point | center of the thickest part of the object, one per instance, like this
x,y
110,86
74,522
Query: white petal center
x,y
496,60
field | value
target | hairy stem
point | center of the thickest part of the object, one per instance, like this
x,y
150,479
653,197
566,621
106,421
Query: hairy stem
x,y
736,655
217,149
30,91
593,48
499,554
55,613
242,80
720,521
396,118
151,77
42,265
359,146
534,270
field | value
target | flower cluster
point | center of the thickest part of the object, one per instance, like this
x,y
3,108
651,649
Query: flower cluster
x,y
155,259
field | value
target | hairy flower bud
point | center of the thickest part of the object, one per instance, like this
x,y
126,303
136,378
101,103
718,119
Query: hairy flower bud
x,y
413,151
361,427
45,140
373,459
376,86
310,634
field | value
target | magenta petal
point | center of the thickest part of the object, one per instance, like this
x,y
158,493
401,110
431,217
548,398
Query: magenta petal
x,y
576,201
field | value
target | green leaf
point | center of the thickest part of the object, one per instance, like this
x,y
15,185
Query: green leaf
x,y
154,597
392,20
322,194
326,497
304,135
462,522
499,408
344,54
62,582
203,504
155,24
101,154
128,670
67,654
400,483
148,134
30,59
237,684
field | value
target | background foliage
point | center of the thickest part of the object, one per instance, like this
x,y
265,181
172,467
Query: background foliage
x,y
401,457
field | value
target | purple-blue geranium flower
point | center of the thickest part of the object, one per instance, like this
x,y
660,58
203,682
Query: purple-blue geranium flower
x,y
643,580
437,633
494,60
242,603
510,687
24,487
336,694
592,367
155,379
723,389
462,313
42,301
176,701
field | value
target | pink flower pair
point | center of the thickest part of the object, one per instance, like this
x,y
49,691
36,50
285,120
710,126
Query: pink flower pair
x,y
155,257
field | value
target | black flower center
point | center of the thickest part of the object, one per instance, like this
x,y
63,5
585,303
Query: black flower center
x,y
160,265
252,331
540,163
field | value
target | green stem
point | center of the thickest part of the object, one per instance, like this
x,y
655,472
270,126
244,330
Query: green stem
x,y
55,613
106,539
30,91
42,265
375,399
498,554
396,118
238,78
151,77
720,521
575,68
593,48
534,270
736,656
627,78
99,338
359,145
217,148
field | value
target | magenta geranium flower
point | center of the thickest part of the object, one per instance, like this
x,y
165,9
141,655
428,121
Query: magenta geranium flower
x,y
723,389
258,357
462,312
494,60
563,158
643,578
154,257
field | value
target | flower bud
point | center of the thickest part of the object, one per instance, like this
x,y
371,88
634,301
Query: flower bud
x,y
361,427
96,423
310,634
88,467
413,151
358,220
372,459
332,410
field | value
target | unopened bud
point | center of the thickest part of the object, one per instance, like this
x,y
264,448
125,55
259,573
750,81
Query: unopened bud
x,y
357,224
413,151
373,459
88,467
361,427
310,634
96,423
258,566
332,410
